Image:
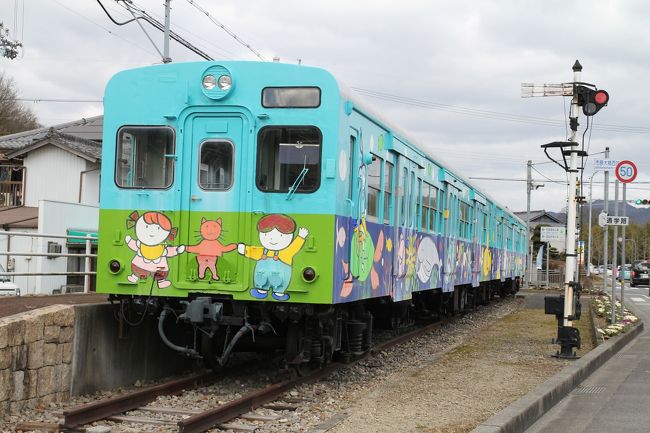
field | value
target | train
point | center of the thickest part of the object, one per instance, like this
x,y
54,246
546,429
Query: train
x,y
255,206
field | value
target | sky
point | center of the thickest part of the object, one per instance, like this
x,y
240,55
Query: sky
x,y
452,70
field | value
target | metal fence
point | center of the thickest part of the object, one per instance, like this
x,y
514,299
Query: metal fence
x,y
88,256
12,185
554,277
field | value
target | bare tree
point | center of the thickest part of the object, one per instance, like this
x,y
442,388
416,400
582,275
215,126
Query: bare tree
x,y
14,116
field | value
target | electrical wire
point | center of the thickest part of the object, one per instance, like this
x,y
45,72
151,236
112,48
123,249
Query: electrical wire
x,y
226,29
488,114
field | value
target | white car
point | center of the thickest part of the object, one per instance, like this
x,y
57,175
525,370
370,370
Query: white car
x,y
7,287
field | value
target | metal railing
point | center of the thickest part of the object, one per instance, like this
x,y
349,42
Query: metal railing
x,y
12,191
554,277
87,273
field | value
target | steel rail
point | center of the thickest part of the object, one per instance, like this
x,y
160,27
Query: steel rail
x,y
228,411
96,411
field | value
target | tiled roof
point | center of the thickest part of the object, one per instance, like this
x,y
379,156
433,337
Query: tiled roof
x,y
82,137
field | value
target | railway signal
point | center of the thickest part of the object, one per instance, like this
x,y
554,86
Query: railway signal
x,y
591,100
643,201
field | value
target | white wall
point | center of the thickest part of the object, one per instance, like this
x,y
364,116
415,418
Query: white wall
x,y
53,174
90,184
56,218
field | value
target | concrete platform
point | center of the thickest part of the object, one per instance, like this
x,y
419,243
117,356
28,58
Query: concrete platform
x,y
607,390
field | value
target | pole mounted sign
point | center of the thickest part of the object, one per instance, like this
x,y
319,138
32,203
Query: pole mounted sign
x,y
626,171
605,164
552,234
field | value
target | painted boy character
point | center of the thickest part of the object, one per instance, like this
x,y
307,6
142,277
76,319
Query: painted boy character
x,y
152,229
275,256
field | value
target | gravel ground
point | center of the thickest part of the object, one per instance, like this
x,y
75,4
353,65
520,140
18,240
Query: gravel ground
x,y
445,382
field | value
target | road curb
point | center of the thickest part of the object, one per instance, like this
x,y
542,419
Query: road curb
x,y
523,413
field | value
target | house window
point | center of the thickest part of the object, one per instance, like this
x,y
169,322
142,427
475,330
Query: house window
x,y
145,157
288,158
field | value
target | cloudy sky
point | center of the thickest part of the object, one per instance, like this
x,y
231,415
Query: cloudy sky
x,y
452,69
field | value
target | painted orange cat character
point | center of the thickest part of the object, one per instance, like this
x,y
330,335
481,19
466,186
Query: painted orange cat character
x,y
210,248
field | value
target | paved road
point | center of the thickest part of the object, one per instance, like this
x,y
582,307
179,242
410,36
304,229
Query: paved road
x,y
616,398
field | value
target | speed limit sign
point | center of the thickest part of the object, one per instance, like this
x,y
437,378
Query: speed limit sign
x,y
626,171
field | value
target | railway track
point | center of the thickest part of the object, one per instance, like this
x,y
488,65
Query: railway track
x,y
232,415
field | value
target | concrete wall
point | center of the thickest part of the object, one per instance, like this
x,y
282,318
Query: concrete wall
x,y
49,354
35,357
103,360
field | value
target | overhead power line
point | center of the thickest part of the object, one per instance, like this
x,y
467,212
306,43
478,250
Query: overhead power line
x,y
226,29
487,114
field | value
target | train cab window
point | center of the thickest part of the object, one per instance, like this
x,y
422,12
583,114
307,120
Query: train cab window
x,y
145,157
216,165
374,188
388,191
288,159
291,97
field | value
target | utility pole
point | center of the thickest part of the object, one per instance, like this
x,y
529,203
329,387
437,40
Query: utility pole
x,y
529,188
166,58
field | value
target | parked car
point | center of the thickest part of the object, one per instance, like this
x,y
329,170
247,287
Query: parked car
x,y
7,287
640,272
624,272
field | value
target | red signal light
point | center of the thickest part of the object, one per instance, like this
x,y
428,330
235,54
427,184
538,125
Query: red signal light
x,y
601,97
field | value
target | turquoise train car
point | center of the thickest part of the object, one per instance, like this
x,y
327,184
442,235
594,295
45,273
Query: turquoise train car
x,y
266,208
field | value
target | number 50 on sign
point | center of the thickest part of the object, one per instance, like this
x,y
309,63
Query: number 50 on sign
x,y
626,171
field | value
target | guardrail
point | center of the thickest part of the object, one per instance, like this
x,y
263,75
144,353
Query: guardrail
x,y
87,273
554,278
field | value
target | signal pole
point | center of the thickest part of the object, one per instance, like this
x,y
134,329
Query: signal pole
x,y
529,187
572,205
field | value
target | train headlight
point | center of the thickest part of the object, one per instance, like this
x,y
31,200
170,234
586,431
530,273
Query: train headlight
x,y
209,82
225,82
114,266
217,82
309,274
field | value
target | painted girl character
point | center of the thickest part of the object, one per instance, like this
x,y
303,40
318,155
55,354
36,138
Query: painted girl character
x,y
275,256
152,230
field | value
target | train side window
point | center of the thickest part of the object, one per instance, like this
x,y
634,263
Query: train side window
x,y
350,167
216,165
464,220
145,157
426,190
419,214
288,159
413,209
374,188
388,191
403,196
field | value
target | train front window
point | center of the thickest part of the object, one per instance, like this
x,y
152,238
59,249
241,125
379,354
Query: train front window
x,y
288,159
215,170
145,157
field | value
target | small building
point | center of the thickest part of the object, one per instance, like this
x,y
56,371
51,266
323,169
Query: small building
x,y
49,184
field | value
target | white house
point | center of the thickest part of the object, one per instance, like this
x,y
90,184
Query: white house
x,y
49,184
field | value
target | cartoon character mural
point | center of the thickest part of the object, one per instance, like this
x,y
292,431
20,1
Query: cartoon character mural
x,y
210,248
152,230
428,262
275,256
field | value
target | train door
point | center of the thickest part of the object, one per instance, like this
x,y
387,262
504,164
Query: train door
x,y
405,230
451,236
214,192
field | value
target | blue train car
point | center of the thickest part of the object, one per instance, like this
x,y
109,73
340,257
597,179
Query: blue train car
x,y
264,197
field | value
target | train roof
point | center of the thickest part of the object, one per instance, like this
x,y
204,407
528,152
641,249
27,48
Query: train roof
x,y
346,92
